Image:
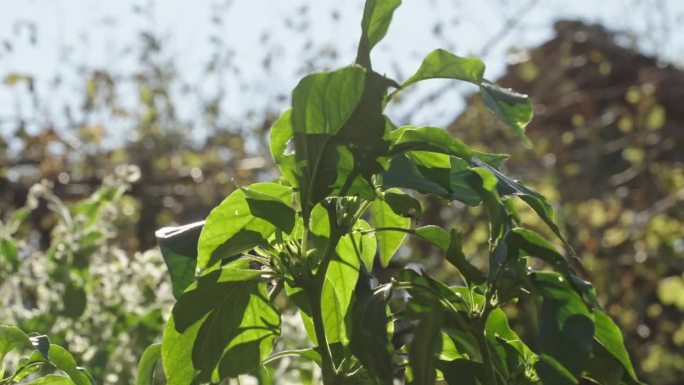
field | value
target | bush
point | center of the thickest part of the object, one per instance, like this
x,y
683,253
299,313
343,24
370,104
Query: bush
x,y
328,226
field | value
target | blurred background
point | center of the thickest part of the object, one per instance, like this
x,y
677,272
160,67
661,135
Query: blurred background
x,y
118,118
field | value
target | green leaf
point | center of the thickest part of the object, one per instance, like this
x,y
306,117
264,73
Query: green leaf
x,y
536,201
432,173
604,369
321,105
461,372
52,379
383,215
425,291
9,254
281,134
363,245
301,300
367,132
267,203
493,160
508,186
435,235
445,65
455,256
425,345
179,248
12,338
553,372
402,204
74,302
566,326
522,242
147,364
222,326
377,15
65,362
482,181
369,340
323,102
237,224
310,354
449,349
609,336
459,184
513,108
431,139
404,173
513,354
338,290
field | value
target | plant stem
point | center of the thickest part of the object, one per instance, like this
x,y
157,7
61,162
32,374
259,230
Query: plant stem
x,y
314,289
488,365
327,364
489,374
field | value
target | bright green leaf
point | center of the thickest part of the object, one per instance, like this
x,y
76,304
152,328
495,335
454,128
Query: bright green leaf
x,y
281,134
359,242
147,363
435,235
223,325
432,139
609,336
445,65
513,108
52,379
268,204
321,105
377,15
323,102
338,289
383,216
507,346
232,227
12,338
65,362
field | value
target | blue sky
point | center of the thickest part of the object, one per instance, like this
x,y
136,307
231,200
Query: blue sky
x,y
98,33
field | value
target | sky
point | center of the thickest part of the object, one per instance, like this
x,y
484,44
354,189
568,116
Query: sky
x,y
101,33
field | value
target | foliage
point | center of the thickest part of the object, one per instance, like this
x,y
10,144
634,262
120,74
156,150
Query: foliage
x,y
310,233
94,299
42,355
619,198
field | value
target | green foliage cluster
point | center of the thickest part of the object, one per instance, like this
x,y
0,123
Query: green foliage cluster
x,y
96,301
344,199
43,354
618,198
600,226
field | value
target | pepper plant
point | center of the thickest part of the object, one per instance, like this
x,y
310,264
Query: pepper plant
x,y
345,202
